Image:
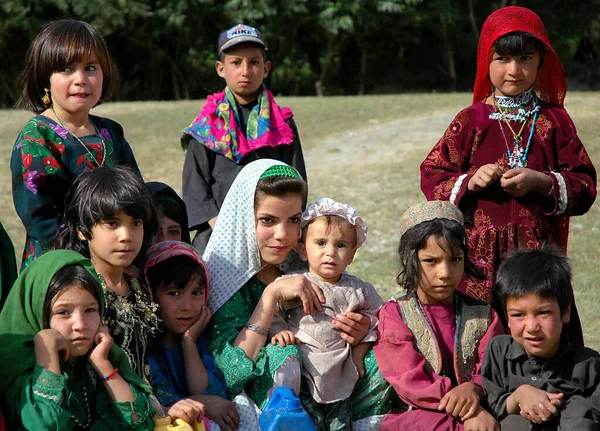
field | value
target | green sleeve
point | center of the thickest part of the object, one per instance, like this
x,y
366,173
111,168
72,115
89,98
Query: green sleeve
x,y
41,400
117,415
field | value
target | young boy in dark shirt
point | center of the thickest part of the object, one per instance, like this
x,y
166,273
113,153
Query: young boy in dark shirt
x,y
537,379
236,126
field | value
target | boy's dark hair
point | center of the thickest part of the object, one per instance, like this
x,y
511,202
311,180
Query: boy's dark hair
x,y
545,272
519,43
332,221
414,239
58,44
98,195
66,277
262,49
280,186
175,273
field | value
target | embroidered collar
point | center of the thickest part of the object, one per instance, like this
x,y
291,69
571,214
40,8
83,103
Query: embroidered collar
x,y
520,101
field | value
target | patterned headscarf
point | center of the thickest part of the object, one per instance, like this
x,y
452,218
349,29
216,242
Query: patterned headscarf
x,y
427,211
22,318
166,249
550,84
232,255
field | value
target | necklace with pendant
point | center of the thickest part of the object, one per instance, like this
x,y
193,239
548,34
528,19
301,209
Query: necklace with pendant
x,y
64,126
517,158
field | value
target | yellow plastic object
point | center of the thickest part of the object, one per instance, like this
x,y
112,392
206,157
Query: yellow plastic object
x,y
164,424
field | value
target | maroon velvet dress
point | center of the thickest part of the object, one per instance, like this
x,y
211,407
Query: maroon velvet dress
x,y
497,222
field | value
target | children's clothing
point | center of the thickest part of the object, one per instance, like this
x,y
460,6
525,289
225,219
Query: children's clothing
x,y
327,363
131,321
497,222
35,398
8,265
224,138
45,161
168,372
424,351
232,260
574,371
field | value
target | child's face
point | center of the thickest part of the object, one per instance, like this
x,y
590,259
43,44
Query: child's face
x,y
277,226
329,249
178,308
169,230
75,314
244,70
512,75
77,87
440,272
116,241
536,324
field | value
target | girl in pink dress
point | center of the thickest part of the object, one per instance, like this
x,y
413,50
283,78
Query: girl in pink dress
x,y
432,340
512,161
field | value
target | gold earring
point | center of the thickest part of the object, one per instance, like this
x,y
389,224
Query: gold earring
x,y
46,99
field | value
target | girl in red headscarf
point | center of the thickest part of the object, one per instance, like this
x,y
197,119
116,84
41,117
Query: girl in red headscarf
x,y
512,161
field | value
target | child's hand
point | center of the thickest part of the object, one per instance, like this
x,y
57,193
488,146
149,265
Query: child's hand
x,y
520,181
485,175
103,342
222,411
51,341
197,328
462,401
535,405
482,421
285,337
187,409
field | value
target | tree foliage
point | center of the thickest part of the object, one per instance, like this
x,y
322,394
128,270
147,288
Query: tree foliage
x,y
166,49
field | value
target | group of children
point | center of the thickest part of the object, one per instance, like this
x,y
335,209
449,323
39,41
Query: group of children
x,y
116,317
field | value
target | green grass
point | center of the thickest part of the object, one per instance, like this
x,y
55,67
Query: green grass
x,y
380,188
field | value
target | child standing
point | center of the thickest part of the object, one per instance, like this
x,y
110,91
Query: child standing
x,y
537,376
240,124
332,232
110,218
68,72
432,340
183,370
512,161
61,369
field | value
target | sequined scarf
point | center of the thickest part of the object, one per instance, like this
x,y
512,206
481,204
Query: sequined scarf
x,y
217,127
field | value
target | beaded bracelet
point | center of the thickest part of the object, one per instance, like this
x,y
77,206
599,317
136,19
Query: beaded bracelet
x,y
111,375
262,330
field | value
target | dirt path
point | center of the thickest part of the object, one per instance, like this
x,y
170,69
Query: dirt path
x,y
368,144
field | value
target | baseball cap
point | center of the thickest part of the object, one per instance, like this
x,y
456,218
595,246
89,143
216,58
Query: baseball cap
x,y
239,34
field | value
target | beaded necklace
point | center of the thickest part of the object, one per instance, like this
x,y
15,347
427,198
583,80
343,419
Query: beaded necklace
x,y
92,157
517,158
87,412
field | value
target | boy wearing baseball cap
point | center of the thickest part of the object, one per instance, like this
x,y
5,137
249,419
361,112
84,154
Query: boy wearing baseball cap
x,y
240,124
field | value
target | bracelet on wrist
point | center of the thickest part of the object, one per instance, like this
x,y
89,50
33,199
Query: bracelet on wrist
x,y
111,375
259,329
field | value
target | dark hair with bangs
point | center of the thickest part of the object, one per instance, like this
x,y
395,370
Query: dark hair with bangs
x,y
223,54
59,44
414,239
175,273
519,43
333,221
100,194
545,272
280,186
67,276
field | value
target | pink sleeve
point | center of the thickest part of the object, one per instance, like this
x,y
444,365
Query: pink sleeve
x,y
494,329
402,366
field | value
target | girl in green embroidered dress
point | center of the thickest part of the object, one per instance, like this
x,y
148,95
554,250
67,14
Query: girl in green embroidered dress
x,y
110,217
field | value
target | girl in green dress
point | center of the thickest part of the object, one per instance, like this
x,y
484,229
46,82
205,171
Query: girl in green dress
x,y
61,369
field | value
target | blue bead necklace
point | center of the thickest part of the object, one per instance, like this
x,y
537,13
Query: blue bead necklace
x,y
517,158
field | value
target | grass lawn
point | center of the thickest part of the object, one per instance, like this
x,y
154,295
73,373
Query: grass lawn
x,y
341,137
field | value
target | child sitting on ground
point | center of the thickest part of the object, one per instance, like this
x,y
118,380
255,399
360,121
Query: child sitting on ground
x,y
432,340
182,368
240,124
332,232
537,375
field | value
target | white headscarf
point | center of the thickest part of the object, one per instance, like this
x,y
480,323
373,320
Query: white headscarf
x,y
232,255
